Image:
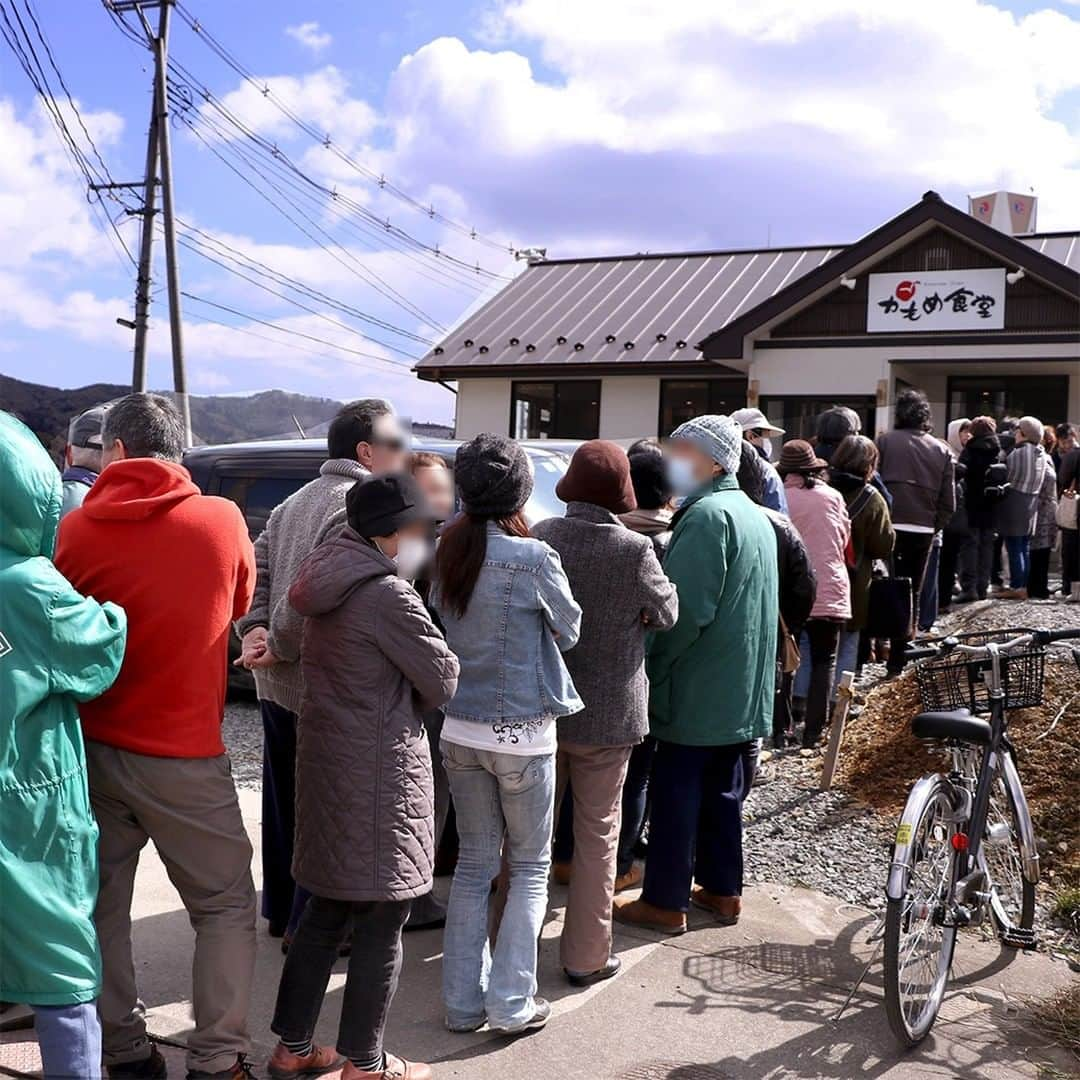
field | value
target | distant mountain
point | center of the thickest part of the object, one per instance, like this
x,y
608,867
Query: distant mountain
x,y
47,411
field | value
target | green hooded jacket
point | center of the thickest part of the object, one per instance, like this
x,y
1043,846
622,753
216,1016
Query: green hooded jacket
x,y
713,677
57,648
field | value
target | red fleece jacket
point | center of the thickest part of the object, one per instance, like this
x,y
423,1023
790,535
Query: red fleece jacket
x,y
181,565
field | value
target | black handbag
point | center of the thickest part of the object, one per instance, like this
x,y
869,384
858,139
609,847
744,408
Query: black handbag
x,y
892,608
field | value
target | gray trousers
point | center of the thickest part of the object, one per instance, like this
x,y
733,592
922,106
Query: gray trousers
x,y
188,807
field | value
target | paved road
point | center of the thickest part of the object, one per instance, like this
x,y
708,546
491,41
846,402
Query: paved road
x,y
754,1001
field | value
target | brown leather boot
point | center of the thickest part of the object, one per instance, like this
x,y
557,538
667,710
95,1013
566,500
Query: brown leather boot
x,y
285,1065
395,1069
648,916
631,879
725,909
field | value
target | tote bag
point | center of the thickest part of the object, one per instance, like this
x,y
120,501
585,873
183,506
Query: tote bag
x,y
1067,508
892,609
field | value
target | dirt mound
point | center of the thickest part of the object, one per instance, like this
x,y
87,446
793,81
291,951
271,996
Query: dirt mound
x,y
881,759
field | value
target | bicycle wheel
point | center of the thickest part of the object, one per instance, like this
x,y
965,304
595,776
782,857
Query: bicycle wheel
x,y
918,946
1012,895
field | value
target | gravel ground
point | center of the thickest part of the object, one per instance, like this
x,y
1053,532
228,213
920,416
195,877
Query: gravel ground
x,y
243,735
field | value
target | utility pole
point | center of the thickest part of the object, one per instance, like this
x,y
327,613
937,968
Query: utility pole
x,y
158,161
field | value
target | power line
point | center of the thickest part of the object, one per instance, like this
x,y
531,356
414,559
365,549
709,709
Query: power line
x,y
227,251
24,51
326,141
282,160
372,237
358,267
401,373
296,333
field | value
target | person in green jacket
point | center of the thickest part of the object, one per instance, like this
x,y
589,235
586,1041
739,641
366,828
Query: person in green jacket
x,y
712,682
57,648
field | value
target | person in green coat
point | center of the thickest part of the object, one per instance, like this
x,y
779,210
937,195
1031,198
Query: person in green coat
x,y
57,648
712,682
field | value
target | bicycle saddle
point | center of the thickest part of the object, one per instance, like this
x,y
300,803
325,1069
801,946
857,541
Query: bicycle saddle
x,y
958,724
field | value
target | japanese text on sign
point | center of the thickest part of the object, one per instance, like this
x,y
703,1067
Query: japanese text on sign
x,y
948,300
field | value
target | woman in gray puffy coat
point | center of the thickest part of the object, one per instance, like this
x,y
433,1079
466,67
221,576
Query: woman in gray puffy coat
x,y
373,663
1046,526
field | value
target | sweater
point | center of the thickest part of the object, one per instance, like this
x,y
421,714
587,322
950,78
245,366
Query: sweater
x,y
295,528
181,565
616,578
821,517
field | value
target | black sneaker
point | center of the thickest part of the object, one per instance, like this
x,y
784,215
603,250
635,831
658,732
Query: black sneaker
x,y
149,1068
541,1015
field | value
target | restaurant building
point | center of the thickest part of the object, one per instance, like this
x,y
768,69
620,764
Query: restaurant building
x,y
983,317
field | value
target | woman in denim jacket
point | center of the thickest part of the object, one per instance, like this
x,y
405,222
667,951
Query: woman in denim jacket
x,y
508,613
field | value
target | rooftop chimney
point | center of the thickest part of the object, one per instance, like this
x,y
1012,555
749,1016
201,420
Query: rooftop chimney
x,y
1009,211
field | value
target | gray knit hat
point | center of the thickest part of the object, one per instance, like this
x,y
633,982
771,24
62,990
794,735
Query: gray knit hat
x,y
493,475
718,436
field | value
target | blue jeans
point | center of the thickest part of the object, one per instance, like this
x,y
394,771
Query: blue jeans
x,y
69,1037
1019,549
847,656
496,796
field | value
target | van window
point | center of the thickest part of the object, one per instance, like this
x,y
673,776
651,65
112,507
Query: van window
x,y
258,495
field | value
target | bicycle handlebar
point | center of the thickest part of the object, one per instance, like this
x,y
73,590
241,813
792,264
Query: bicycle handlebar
x,y
1027,637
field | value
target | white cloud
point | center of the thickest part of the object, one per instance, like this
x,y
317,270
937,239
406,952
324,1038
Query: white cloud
x,y
310,36
956,93
321,97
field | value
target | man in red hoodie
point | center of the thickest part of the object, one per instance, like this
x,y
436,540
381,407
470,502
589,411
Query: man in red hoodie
x,y
182,566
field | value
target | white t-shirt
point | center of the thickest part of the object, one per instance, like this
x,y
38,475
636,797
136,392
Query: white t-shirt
x,y
526,738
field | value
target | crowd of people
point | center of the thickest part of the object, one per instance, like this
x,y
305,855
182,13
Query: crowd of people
x,y
444,684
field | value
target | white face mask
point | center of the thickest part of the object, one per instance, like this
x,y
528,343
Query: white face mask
x,y
412,554
766,446
680,475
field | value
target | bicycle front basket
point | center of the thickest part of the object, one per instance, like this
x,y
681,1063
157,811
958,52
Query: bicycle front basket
x,y
954,681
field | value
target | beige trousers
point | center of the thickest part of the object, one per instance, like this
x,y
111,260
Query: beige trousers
x,y
188,807
595,775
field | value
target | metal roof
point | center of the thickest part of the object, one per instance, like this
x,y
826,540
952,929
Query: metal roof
x,y
1062,247
641,308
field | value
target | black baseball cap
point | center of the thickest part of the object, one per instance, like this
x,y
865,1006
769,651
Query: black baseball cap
x,y
381,505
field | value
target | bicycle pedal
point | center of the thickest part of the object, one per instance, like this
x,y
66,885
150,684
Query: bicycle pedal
x,y
1018,938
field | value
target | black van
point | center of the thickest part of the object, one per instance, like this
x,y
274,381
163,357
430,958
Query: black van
x,y
259,475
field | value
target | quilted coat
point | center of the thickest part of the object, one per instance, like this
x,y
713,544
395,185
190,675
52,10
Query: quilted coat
x,y
373,662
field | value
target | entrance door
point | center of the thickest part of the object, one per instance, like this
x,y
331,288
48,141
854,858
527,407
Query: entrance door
x,y
797,414
1044,396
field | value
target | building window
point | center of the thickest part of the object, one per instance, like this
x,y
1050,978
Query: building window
x,y
683,399
1044,396
797,415
568,409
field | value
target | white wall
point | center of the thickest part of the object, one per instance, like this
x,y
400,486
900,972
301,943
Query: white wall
x,y
629,406
482,405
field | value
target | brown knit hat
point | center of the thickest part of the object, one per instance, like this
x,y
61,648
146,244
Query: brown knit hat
x,y
599,473
798,457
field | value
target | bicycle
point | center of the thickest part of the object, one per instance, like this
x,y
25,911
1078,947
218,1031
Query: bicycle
x,y
965,845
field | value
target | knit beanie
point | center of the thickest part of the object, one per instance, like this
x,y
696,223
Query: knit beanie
x,y
719,437
648,474
493,475
599,473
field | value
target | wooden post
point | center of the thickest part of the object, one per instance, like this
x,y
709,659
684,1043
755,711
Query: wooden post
x,y
844,697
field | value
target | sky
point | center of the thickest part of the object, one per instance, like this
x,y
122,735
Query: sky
x,y
580,126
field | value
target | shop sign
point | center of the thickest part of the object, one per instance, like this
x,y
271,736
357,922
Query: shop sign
x,y
936,301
